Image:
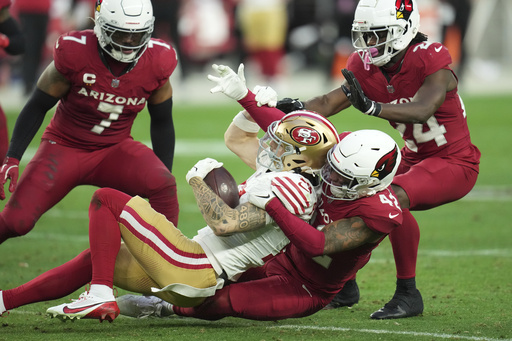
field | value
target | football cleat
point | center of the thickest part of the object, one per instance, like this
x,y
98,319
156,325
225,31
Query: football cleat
x,y
87,307
401,305
143,306
347,297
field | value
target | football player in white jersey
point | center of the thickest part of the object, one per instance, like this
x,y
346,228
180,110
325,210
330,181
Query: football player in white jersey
x,y
158,259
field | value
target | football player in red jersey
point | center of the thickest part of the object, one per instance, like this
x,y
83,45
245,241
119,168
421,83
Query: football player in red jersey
x,y
13,42
397,75
101,80
157,258
356,211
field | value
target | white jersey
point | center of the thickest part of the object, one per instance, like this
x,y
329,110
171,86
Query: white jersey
x,y
238,252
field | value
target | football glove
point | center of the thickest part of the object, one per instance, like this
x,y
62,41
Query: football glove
x,y
202,168
259,190
9,170
287,105
229,83
357,97
265,95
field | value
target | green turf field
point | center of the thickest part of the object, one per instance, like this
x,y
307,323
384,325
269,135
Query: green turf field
x,y
464,266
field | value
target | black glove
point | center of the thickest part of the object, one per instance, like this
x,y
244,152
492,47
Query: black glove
x,y
287,105
357,96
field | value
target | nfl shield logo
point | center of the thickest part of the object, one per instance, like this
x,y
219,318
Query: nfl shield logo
x,y
115,83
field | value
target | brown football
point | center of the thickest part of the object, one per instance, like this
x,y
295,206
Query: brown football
x,y
224,185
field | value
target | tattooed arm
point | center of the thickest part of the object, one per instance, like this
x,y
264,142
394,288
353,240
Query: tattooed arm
x,y
347,234
221,218
341,235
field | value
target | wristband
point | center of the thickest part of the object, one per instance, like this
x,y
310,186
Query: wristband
x,y
243,123
375,109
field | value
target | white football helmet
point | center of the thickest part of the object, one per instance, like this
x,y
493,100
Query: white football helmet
x,y
362,164
124,27
383,28
299,142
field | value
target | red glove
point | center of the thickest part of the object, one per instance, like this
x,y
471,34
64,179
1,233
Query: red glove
x,y
4,40
9,170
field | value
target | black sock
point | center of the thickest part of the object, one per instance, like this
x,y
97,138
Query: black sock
x,y
405,285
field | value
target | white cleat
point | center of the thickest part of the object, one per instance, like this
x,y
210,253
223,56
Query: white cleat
x,y
143,306
88,307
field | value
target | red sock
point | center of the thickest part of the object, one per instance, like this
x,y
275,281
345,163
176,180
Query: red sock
x,y
52,284
405,240
104,234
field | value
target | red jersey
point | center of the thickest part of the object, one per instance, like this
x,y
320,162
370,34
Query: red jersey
x,y
5,3
446,132
328,273
32,6
99,109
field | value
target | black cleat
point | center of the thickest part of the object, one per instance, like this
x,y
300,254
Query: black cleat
x,y
401,305
347,297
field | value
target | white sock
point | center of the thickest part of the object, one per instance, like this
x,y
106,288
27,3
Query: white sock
x,y
102,291
2,306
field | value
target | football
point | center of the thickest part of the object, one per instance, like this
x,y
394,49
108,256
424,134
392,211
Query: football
x,y
224,185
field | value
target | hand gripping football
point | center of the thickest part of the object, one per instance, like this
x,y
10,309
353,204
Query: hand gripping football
x,y
224,185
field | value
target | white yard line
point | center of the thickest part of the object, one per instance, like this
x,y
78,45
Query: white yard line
x,y
192,321
394,332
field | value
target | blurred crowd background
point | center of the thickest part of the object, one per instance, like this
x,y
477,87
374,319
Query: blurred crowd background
x,y
283,43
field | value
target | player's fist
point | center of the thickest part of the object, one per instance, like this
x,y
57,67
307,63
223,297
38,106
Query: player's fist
x,y
4,40
229,83
265,95
9,170
202,168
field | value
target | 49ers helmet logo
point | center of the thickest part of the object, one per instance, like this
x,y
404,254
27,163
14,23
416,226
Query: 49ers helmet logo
x,y
305,135
403,9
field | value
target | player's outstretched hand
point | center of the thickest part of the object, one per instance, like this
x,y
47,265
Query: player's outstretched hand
x,y
202,168
9,170
357,97
229,83
265,95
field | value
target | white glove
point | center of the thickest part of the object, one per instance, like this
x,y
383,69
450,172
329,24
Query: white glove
x,y
202,168
260,192
265,95
229,83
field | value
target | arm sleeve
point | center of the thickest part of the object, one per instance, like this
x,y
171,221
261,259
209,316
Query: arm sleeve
x,y
16,39
262,115
304,236
163,137
29,121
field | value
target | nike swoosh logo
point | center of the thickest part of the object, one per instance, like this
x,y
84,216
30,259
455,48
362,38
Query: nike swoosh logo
x,y
391,216
263,196
67,310
438,48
